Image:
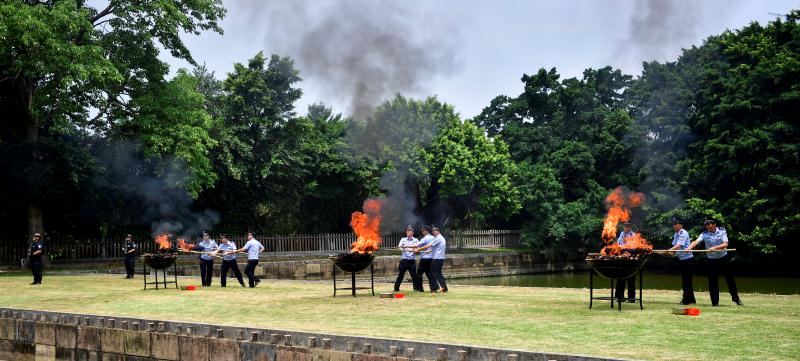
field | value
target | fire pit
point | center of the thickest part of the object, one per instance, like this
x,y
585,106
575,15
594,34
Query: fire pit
x,y
617,267
353,263
159,261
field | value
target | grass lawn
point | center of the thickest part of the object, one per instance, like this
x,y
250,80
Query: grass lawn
x,y
536,319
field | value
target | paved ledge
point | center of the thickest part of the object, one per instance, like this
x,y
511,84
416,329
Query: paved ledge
x,y
42,335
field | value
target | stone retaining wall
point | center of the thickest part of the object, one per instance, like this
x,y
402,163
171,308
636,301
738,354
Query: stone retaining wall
x,y
38,335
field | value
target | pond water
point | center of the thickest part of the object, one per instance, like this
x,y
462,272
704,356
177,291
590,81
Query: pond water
x,y
766,285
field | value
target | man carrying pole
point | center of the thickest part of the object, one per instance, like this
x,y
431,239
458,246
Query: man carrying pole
x,y
627,231
253,247
228,261
207,246
681,242
408,261
716,242
426,260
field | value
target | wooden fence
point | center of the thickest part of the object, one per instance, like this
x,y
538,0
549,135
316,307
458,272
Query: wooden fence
x,y
107,248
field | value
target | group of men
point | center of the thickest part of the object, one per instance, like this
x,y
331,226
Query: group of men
x,y
208,250
432,248
715,240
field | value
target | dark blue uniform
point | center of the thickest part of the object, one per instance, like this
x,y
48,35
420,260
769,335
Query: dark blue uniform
x,y
36,261
130,258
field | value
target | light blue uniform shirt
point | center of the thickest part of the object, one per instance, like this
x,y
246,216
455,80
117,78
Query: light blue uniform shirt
x,y
207,246
714,239
439,247
253,248
228,247
622,236
406,242
424,242
681,238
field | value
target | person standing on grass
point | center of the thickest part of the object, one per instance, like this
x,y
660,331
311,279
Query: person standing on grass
x,y
407,260
253,247
716,240
208,246
130,256
438,247
681,242
627,231
35,254
228,261
426,261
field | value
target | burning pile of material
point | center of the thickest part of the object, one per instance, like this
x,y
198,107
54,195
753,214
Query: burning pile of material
x,y
367,227
619,203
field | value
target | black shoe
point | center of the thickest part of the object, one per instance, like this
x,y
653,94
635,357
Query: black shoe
x,y
714,305
631,300
257,281
34,283
739,303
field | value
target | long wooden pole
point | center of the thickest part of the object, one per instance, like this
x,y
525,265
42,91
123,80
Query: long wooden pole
x,y
662,251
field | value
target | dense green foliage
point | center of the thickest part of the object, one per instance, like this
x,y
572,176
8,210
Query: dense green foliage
x,y
94,130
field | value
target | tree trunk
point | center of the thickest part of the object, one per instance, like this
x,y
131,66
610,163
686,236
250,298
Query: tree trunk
x,y
31,129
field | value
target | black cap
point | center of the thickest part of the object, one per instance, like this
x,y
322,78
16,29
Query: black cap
x,y
710,221
410,228
676,220
435,227
426,227
224,235
627,224
251,233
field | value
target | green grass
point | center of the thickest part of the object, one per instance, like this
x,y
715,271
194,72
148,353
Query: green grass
x,y
536,319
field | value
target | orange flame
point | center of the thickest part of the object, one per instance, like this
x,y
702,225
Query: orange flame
x,y
184,246
619,204
367,227
162,241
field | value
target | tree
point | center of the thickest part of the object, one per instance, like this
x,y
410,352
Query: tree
x,y
64,60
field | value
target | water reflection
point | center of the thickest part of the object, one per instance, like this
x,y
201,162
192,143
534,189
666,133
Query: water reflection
x,y
766,285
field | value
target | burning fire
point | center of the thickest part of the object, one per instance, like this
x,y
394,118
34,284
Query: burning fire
x,y
183,245
367,227
162,241
619,204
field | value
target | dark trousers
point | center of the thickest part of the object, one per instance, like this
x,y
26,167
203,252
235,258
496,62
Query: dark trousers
x,y
130,263
250,271
406,265
424,267
620,292
206,271
438,276
721,267
36,269
687,269
223,276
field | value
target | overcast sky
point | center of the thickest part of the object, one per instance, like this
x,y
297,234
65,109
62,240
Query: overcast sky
x,y
353,54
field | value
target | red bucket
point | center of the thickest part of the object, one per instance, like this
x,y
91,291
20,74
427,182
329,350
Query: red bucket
x,y
399,295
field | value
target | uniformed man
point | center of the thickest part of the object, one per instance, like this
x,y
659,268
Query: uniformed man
x,y
253,247
208,246
627,231
407,260
228,250
681,242
439,247
425,261
716,240
35,258
130,256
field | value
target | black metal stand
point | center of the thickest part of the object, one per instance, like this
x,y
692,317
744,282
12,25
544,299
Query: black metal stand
x,y
612,298
164,281
353,287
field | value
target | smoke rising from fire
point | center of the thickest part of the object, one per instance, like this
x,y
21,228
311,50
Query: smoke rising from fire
x,y
165,207
361,52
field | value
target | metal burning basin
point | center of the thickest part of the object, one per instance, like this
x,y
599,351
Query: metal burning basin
x,y
352,262
617,267
159,261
